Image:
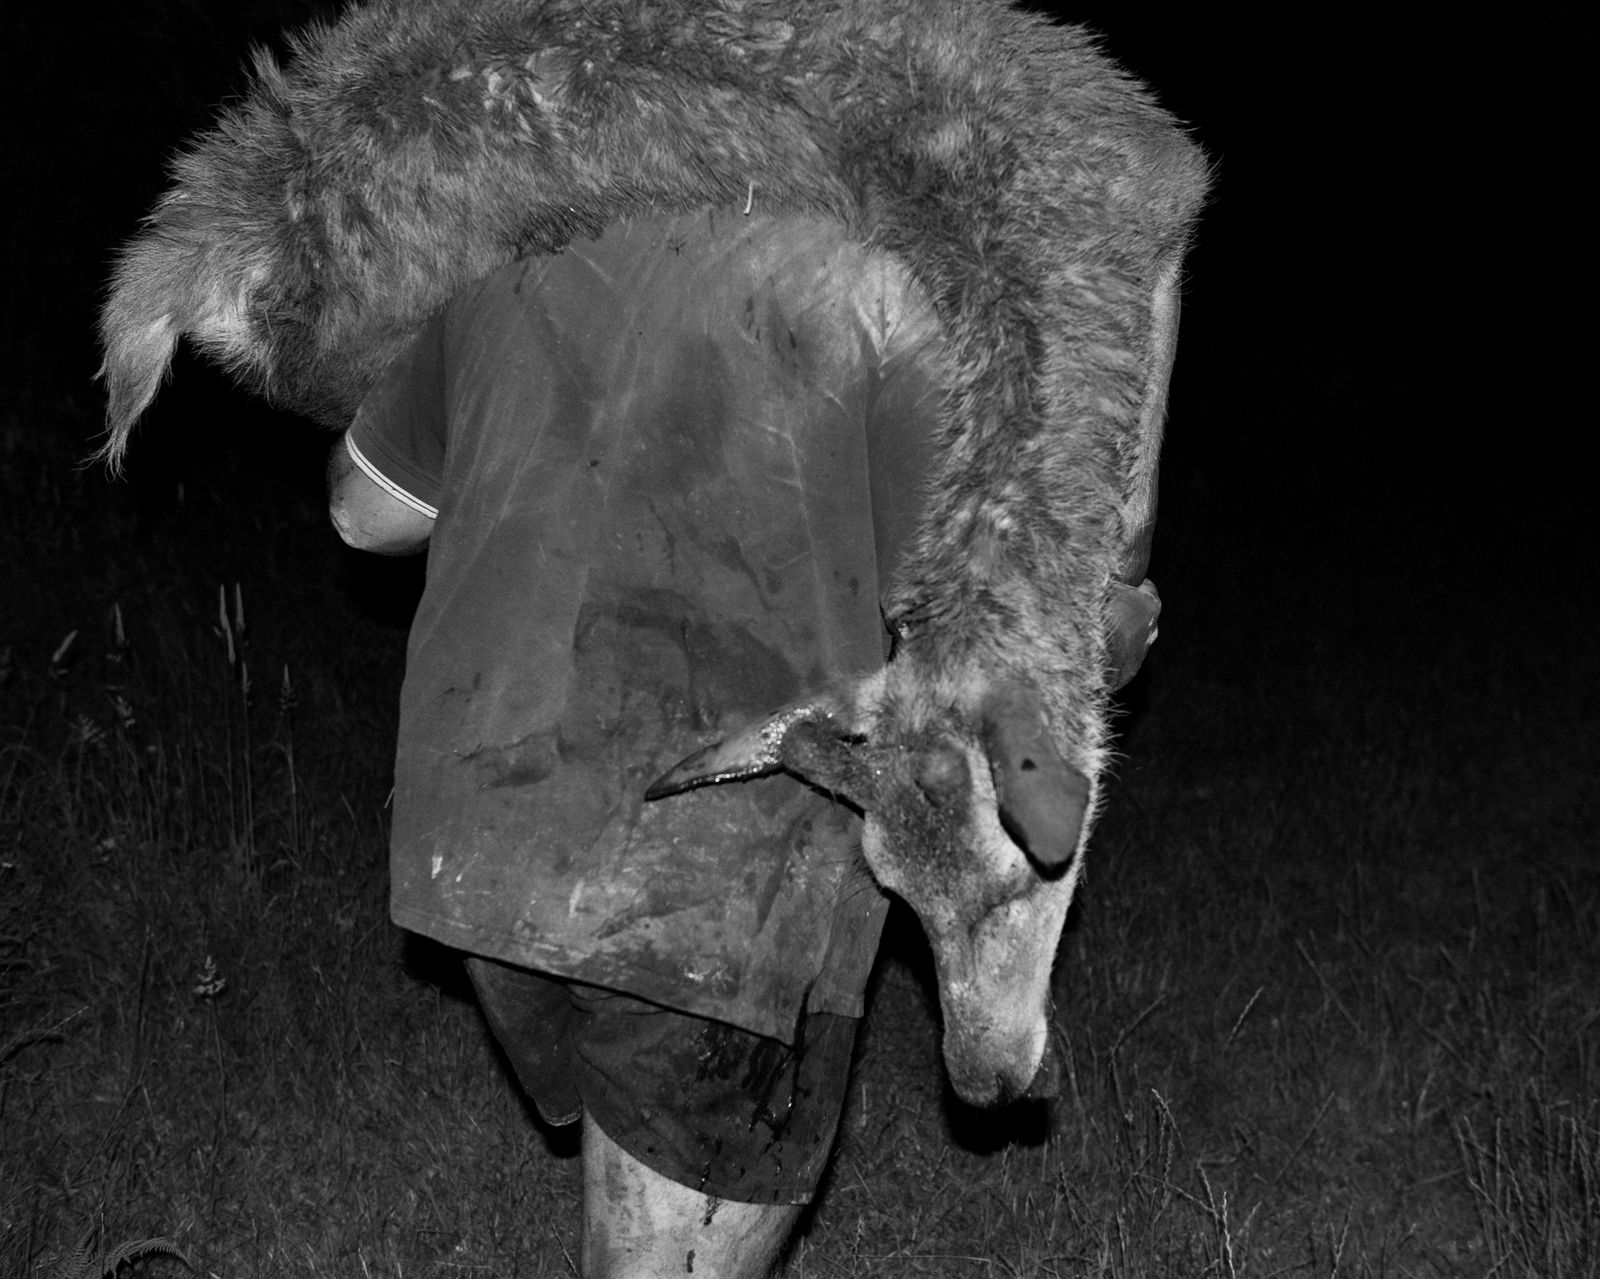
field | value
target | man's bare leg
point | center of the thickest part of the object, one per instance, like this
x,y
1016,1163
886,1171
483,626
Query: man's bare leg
x,y
638,1224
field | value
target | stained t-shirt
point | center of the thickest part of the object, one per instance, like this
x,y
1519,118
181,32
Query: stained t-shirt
x,y
673,469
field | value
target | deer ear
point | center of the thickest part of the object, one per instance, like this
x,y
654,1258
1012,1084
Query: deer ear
x,y
815,740
1041,798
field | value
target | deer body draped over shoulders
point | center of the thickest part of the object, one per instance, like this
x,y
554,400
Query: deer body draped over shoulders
x,y
1035,194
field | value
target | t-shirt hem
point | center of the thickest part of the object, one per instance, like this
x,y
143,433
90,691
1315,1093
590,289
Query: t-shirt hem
x,y
823,996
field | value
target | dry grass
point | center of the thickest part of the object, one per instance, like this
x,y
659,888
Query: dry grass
x,y
1328,1008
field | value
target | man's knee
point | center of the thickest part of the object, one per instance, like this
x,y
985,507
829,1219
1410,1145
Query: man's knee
x,y
639,1224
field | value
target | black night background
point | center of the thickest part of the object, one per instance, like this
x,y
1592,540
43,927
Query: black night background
x,y
1329,1002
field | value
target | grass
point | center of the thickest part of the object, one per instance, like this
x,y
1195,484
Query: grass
x,y
1328,1006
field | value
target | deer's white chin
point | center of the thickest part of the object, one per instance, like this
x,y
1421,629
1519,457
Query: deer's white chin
x,y
994,1072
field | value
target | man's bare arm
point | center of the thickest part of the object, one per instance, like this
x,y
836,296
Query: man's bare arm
x,y
368,516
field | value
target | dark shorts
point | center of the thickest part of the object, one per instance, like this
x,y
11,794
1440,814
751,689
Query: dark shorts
x,y
728,1113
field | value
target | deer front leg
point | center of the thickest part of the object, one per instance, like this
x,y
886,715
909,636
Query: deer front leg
x,y
1142,485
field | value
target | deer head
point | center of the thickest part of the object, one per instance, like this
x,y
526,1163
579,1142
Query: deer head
x,y
972,816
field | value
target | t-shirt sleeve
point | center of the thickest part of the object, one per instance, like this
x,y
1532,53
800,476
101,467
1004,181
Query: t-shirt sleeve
x,y
398,437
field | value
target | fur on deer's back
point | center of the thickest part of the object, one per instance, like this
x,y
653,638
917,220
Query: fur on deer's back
x,y
1036,195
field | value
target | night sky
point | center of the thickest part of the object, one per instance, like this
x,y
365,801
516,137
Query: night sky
x,y
1377,317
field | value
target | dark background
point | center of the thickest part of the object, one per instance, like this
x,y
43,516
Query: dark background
x,y
1380,335
1376,653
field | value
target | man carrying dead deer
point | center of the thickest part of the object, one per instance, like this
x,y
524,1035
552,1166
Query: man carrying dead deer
x,y
777,390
